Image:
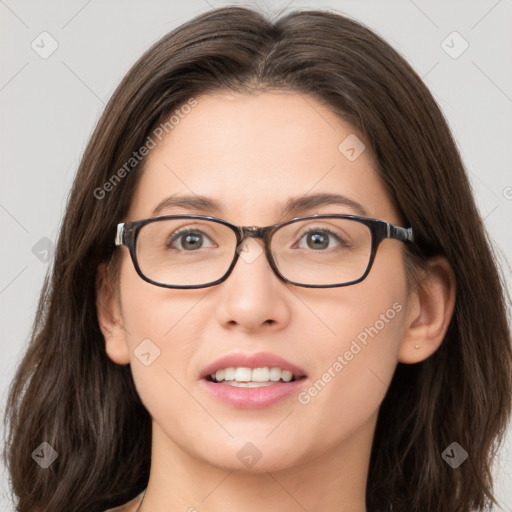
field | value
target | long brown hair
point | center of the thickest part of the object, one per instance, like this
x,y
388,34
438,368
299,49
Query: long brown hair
x,y
68,393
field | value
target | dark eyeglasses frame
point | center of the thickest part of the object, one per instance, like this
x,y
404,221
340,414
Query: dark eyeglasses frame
x,y
128,233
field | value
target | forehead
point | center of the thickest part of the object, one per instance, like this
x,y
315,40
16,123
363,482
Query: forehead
x,y
253,153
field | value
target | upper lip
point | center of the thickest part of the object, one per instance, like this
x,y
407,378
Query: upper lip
x,y
252,360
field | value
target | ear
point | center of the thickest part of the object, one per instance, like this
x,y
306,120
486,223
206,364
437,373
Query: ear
x,y
110,318
429,312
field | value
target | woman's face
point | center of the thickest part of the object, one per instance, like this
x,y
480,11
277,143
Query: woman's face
x,y
252,154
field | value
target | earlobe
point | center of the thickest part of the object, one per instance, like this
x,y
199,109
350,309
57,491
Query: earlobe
x,y
429,312
110,318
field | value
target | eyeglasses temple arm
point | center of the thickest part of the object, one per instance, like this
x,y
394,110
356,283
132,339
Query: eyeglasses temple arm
x,y
120,234
400,233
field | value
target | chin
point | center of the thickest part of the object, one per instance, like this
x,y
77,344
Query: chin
x,y
249,454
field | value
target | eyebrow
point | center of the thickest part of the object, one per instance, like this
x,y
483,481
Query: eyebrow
x,y
294,205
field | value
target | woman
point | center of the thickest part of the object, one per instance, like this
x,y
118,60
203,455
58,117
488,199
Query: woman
x,y
354,356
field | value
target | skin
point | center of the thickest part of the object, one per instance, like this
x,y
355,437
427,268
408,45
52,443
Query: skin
x,y
268,147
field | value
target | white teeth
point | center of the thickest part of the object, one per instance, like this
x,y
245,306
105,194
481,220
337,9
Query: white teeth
x,y
261,374
248,384
243,374
248,377
230,374
275,374
286,375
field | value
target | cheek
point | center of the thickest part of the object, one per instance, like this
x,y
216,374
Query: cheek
x,y
357,355
360,361
154,312
160,331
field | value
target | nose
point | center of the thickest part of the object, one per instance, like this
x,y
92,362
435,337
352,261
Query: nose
x,y
253,295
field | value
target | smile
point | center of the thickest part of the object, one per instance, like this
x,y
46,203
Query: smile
x,y
251,377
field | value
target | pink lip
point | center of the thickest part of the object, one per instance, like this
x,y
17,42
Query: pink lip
x,y
256,360
252,398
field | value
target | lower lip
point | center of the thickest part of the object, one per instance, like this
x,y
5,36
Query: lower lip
x,y
253,398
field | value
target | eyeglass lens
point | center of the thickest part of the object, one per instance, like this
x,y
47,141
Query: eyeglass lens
x,y
189,252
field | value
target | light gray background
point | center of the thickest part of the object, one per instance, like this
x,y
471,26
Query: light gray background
x,y
50,106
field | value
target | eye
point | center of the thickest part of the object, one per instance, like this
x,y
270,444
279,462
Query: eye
x,y
188,239
317,239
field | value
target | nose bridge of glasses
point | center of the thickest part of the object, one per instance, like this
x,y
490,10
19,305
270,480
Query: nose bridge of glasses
x,y
254,232
262,233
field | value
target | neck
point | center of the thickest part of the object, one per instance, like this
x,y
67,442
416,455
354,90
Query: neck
x,y
332,480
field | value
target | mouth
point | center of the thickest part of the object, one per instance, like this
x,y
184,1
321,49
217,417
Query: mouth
x,y
250,381
252,377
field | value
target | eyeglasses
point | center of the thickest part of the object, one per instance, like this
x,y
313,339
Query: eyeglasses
x,y
196,251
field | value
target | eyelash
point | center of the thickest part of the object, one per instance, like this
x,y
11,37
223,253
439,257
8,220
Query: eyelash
x,y
324,230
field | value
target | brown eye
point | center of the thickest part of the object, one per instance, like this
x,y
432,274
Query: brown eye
x,y
188,239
